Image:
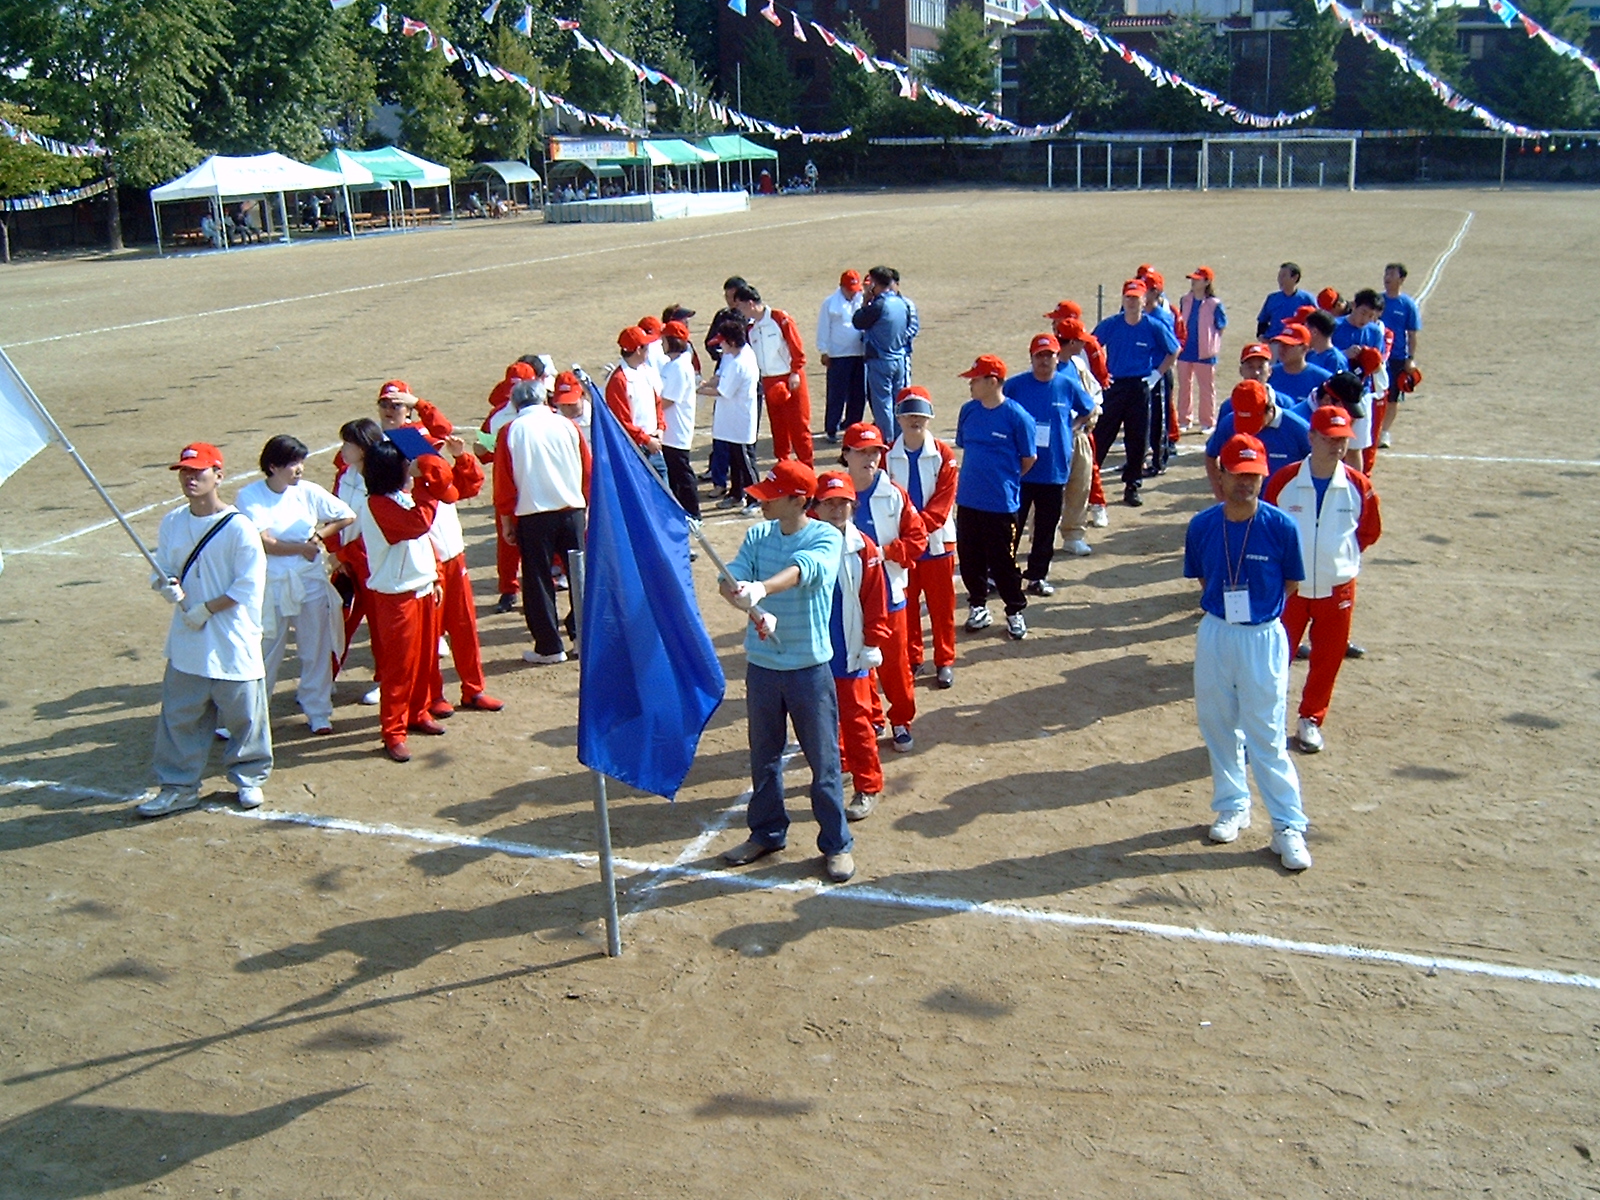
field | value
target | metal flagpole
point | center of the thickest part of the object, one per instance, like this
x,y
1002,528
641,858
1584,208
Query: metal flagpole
x,y
66,444
602,814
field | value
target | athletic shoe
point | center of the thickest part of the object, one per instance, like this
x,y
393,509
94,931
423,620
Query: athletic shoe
x,y
321,730
171,799
1131,499
833,438
1308,735
1354,651
919,669
839,867
1078,548
748,852
1040,587
544,660
946,678
979,618
444,647
561,582
442,709
704,477
398,751
1016,627
1097,516
902,738
750,510
727,501
483,702
1227,826
250,797
1383,441
1290,847
372,697
1302,651
222,735
430,728
508,603
861,806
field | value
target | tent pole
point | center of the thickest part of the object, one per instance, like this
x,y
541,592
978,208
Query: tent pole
x,y
349,212
155,214
283,211
602,811
450,190
227,242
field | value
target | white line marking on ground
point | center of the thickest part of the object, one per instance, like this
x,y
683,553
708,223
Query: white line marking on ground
x,y
1438,267
44,547
372,287
871,895
1468,458
47,785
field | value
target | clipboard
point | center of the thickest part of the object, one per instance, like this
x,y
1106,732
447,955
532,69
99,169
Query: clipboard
x,y
410,442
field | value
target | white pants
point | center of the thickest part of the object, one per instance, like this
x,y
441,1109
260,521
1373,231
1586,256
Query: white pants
x,y
314,645
1241,681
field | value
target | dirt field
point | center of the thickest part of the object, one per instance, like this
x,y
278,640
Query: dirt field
x,y
210,1005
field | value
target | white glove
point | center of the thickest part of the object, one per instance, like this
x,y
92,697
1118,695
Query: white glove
x,y
168,589
871,658
766,625
196,617
747,595
1153,379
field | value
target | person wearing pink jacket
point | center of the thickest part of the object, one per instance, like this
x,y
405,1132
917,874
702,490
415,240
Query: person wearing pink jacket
x,y
1205,319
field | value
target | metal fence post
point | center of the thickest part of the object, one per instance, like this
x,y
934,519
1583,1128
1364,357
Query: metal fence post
x,y
1353,143
1203,171
1079,147
1291,169
1169,166
1108,166
1230,168
1280,162
1049,165
1138,178
1503,142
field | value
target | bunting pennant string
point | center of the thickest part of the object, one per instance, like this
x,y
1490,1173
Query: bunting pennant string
x,y
49,145
1510,14
1447,95
55,199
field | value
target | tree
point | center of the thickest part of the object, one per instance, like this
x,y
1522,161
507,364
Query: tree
x,y
504,120
31,170
966,64
432,104
599,86
1394,98
770,92
1533,86
690,114
1313,37
1189,48
1065,76
862,101
125,73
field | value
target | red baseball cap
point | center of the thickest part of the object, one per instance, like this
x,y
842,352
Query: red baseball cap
x,y
1072,330
791,477
566,386
519,370
850,281
835,485
1205,273
1329,299
1065,310
197,456
676,329
633,339
1332,421
1368,359
394,387
1155,281
652,326
1255,350
985,364
1142,271
1043,342
1134,287
863,435
913,402
1244,455
1301,313
1292,335
1249,406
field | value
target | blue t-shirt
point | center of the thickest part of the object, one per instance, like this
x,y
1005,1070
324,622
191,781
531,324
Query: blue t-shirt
x,y
1286,442
1278,308
1261,553
1320,486
802,611
1330,360
1346,335
1134,349
1191,340
993,441
1400,315
863,521
1053,405
1298,387
914,478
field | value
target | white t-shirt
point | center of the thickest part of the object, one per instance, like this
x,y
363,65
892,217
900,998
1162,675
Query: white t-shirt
x,y
738,381
678,382
228,646
353,491
655,358
291,515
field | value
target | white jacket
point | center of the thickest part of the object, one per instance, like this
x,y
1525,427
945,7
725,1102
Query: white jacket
x,y
836,336
397,568
887,506
935,457
851,565
1328,546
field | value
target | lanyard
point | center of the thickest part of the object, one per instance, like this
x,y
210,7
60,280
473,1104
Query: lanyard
x,y
1235,571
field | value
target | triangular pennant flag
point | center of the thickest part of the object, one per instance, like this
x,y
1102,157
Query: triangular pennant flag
x,y
799,31
381,21
771,14
488,13
583,42
524,23
737,6
606,53
411,28
449,51
826,35
338,4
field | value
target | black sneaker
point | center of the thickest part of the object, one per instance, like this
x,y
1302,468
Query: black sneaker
x,y
508,603
1354,651
1040,587
1131,499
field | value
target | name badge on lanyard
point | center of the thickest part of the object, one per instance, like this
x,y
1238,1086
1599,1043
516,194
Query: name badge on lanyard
x,y
1236,605
1236,592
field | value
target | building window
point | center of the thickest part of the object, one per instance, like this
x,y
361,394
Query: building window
x,y
1475,47
920,58
928,13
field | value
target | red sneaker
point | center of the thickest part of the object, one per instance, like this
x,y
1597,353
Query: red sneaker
x,y
430,727
483,702
442,709
397,751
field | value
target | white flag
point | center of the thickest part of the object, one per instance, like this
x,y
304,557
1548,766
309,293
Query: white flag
x,y
23,432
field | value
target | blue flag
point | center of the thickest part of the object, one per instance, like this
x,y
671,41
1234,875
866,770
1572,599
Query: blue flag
x,y
649,678
737,6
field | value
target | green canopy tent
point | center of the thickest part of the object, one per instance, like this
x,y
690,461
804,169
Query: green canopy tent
x,y
731,148
681,154
357,179
503,176
390,164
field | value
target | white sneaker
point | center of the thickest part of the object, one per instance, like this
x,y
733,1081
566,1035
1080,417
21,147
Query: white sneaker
x,y
1016,627
1097,516
170,799
1078,547
373,697
444,648
903,741
1227,826
979,618
1383,441
250,797
544,660
1308,735
1290,847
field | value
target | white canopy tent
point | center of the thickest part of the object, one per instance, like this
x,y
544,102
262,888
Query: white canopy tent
x,y
222,178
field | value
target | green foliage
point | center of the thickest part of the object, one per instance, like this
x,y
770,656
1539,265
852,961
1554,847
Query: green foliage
x,y
689,115
966,64
598,86
1313,37
1396,99
857,99
1189,48
29,170
770,91
433,105
1064,76
1530,85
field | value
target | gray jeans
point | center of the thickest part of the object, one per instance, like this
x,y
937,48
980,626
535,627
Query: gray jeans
x,y
193,708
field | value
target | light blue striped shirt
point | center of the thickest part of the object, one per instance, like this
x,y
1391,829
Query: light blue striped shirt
x,y
802,611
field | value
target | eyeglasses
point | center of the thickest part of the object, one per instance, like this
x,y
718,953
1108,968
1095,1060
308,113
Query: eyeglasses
x,y
393,404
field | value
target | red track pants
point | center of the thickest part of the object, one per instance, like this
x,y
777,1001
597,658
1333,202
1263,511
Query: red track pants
x,y
507,567
790,414
935,579
458,618
895,674
1369,456
858,741
1097,494
360,606
1329,619
405,647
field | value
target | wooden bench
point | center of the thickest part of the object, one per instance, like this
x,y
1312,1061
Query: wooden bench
x,y
367,221
419,216
189,237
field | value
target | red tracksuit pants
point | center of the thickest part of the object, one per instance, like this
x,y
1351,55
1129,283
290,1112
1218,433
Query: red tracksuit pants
x,y
507,568
935,580
858,741
895,676
458,618
790,414
1369,456
1329,619
405,649
360,606
1097,494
